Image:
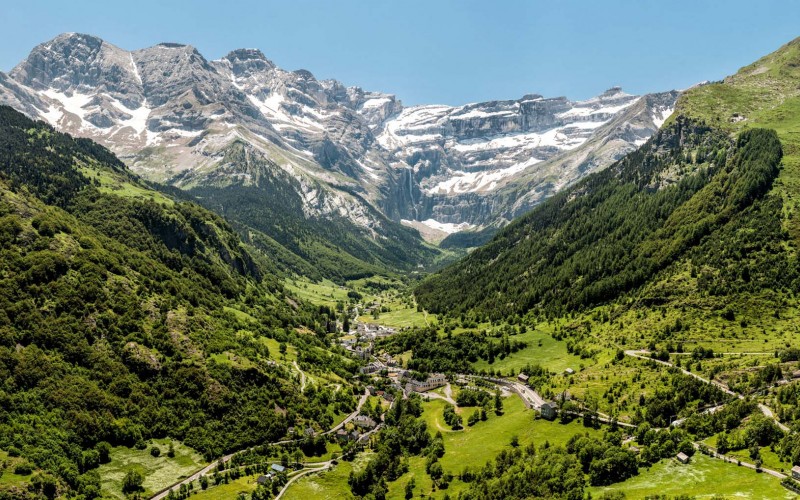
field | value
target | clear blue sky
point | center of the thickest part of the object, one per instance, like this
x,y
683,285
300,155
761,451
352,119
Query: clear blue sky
x,y
441,51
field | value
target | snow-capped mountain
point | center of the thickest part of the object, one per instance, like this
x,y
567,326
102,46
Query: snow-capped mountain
x,y
344,152
467,160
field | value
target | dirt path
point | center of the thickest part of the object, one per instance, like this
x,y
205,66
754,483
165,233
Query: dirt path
x,y
324,466
302,376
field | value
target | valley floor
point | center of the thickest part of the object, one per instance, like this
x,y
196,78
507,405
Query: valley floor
x,y
600,375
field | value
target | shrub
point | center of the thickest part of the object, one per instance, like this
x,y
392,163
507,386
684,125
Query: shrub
x,y
23,468
132,482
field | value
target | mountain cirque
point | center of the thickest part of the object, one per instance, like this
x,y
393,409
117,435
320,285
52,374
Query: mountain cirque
x,y
172,116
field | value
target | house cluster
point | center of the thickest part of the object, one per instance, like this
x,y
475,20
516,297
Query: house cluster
x,y
364,422
273,471
308,431
388,360
355,436
360,434
433,381
356,350
372,367
373,330
388,396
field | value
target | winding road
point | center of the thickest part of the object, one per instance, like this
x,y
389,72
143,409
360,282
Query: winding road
x,y
448,395
764,408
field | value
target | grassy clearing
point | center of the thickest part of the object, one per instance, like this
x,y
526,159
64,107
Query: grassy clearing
x,y
402,311
275,353
7,476
542,349
400,316
245,484
158,472
769,458
611,384
331,450
704,477
116,184
324,293
474,446
240,315
232,359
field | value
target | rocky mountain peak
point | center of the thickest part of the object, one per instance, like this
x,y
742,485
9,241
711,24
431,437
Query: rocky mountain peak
x,y
77,63
244,62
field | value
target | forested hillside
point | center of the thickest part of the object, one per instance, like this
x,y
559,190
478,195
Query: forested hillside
x,y
617,229
118,306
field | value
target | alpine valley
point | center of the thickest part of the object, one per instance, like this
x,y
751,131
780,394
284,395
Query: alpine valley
x,y
222,279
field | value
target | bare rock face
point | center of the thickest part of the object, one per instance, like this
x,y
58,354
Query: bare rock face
x,y
81,63
173,116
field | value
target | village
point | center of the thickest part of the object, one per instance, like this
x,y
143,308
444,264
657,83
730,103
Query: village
x,y
386,371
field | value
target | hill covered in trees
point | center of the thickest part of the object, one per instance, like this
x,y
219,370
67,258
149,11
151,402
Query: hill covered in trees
x,y
118,308
617,229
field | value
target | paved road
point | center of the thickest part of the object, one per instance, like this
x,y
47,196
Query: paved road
x,y
448,395
205,470
531,398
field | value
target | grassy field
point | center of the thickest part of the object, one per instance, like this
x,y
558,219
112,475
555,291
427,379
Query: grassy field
x,y
158,472
402,312
324,293
328,485
769,458
474,446
703,477
399,317
245,484
274,350
116,184
240,315
232,359
542,349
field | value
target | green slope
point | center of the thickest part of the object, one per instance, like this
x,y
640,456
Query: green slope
x,y
126,315
763,94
